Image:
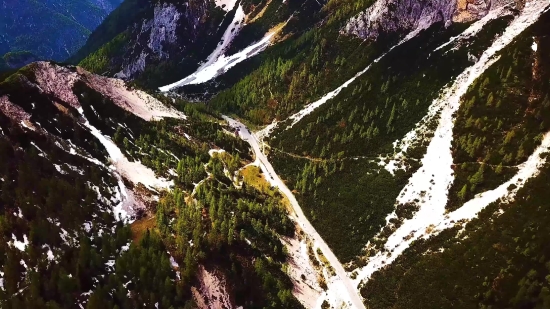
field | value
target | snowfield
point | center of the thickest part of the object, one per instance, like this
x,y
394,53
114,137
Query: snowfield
x,y
133,171
230,33
430,184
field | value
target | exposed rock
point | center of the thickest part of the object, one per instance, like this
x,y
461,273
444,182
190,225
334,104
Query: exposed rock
x,y
409,15
167,34
212,290
162,28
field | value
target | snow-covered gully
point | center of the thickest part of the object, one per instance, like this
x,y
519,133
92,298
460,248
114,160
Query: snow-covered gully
x,y
341,290
228,36
429,186
218,63
122,167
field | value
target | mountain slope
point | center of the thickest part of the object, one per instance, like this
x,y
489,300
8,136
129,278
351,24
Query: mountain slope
x,y
52,29
344,140
162,44
96,199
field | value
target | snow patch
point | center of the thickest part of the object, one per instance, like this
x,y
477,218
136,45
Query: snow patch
x,y
226,5
133,171
228,36
18,244
173,262
211,152
50,255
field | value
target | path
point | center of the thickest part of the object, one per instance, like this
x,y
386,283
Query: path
x,y
304,223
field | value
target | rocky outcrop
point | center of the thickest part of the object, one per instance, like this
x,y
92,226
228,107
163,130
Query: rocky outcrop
x,y
58,82
392,16
171,30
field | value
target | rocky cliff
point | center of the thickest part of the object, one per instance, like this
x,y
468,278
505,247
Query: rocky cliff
x,y
408,15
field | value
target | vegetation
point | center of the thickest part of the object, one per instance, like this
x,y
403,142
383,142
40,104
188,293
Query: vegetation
x,y
127,13
503,118
340,142
57,214
52,30
499,261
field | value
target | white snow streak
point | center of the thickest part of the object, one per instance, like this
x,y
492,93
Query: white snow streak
x,y
134,171
228,36
527,170
221,65
308,109
438,159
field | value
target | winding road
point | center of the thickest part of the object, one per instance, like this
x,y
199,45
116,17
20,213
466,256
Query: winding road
x,y
304,223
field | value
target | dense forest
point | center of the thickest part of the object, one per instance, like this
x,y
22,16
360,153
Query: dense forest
x,y
358,129
58,223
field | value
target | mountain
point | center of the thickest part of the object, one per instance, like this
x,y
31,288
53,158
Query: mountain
x,y
52,29
283,154
151,45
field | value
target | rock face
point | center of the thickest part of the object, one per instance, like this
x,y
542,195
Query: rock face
x,y
159,30
171,29
409,15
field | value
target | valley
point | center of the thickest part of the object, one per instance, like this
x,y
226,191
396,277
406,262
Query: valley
x,y
282,154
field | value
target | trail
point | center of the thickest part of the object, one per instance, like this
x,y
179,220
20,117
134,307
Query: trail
x,y
341,274
428,187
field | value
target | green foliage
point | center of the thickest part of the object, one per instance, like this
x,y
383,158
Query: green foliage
x,y
52,29
503,117
101,61
333,195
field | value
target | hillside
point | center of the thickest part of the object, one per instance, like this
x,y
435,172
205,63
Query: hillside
x,y
284,154
100,201
51,30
